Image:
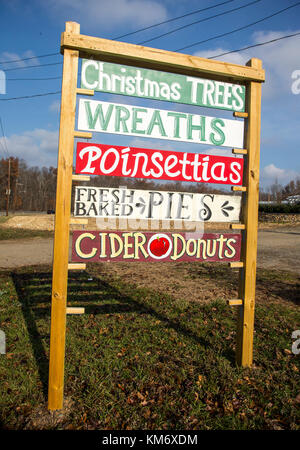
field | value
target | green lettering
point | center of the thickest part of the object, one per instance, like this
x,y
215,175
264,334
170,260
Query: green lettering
x,y
136,120
98,115
177,117
191,127
156,120
121,119
220,132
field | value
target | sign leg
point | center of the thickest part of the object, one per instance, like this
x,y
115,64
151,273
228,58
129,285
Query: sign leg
x,y
244,348
62,225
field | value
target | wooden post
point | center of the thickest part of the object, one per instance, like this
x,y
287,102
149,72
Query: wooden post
x,y
62,224
8,187
244,348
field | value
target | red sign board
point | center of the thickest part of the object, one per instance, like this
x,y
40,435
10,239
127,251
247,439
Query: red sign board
x,y
98,159
139,246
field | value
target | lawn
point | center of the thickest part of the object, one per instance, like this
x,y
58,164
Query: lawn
x,y
141,358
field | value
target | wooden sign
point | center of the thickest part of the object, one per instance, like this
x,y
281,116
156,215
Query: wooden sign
x,y
116,118
98,159
163,205
97,246
157,85
107,117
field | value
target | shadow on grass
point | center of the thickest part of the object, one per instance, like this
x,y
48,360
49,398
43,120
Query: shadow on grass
x,y
277,283
97,296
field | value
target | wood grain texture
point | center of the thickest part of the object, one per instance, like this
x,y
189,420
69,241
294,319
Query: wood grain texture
x,y
75,310
83,134
156,59
76,266
239,188
244,348
62,220
235,302
243,115
76,221
239,151
80,177
82,91
237,226
236,264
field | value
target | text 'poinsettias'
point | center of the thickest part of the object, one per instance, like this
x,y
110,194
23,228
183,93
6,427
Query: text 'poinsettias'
x,y
98,159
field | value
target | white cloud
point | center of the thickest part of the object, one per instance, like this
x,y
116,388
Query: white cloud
x,y
234,58
272,174
108,14
15,60
279,60
55,106
37,147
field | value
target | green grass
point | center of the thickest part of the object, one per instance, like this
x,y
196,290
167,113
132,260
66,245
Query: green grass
x,y
142,360
20,233
4,219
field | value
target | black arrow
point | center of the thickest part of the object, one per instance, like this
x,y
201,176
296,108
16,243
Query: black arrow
x,y
225,208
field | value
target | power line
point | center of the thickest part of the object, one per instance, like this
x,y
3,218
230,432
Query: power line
x,y
255,45
198,21
238,29
29,96
33,79
114,39
26,59
171,20
38,65
210,57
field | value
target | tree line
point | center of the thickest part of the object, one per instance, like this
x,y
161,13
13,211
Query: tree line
x,y
24,188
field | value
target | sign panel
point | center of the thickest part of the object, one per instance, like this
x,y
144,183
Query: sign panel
x,y
156,85
140,121
148,204
98,159
138,246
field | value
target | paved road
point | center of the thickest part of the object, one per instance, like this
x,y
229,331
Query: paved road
x,y
279,249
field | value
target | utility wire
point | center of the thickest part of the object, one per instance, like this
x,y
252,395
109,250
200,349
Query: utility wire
x,y
238,29
210,57
118,37
182,48
26,59
171,20
33,79
29,96
38,65
255,45
198,21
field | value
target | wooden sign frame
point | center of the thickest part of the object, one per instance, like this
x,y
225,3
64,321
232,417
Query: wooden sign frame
x,y
75,45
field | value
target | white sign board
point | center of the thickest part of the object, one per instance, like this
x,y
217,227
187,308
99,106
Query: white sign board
x,y
162,205
139,121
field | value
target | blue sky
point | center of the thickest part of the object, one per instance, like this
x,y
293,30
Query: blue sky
x,y
32,28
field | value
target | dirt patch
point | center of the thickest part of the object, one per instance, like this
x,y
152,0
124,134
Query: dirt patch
x,y
267,220
175,279
38,222
46,222
42,419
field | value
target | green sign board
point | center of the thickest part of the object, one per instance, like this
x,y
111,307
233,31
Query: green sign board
x,y
156,85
